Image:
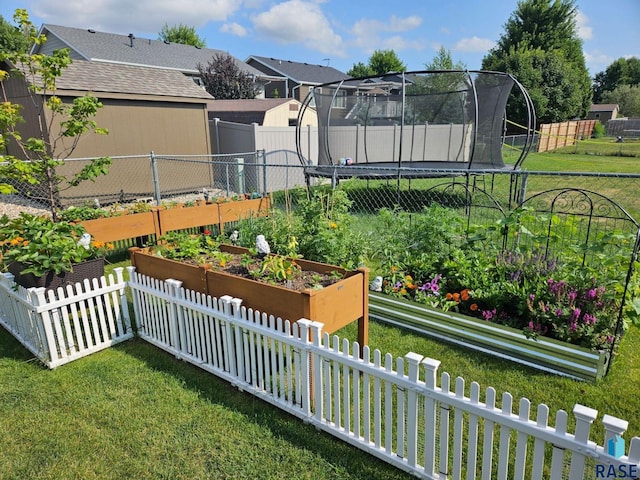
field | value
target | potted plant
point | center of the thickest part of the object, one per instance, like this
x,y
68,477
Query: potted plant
x,y
286,287
42,253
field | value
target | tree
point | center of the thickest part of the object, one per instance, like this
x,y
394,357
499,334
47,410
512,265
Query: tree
x,y
181,34
543,34
623,71
360,70
60,124
11,39
224,80
627,97
443,61
380,62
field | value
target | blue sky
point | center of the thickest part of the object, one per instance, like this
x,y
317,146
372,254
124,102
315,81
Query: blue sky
x,y
341,33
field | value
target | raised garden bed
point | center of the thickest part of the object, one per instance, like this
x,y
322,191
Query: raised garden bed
x,y
335,305
498,340
159,220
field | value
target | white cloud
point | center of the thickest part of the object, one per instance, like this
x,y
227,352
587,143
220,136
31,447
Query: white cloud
x,y
393,24
140,16
473,44
398,43
234,29
299,21
585,32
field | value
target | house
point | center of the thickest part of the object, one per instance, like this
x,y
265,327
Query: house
x,y
297,79
94,46
603,112
268,112
145,109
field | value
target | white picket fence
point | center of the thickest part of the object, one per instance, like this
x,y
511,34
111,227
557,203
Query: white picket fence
x,y
391,408
59,326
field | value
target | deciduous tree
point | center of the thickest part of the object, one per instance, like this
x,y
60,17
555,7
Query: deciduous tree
x,y
183,34
380,62
539,35
57,121
623,71
224,80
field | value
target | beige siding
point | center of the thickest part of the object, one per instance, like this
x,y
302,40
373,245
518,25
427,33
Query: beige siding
x,y
283,116
138,127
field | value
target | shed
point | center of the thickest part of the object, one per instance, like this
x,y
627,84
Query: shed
x,y
603,112
267,112
145,109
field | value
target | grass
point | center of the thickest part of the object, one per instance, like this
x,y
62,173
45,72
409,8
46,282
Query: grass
x,y
133,411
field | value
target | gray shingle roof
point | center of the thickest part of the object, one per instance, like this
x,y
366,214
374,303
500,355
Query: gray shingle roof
x,y
102,78
302,72
111,47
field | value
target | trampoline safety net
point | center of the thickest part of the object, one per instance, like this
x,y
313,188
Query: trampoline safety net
x,y
438,120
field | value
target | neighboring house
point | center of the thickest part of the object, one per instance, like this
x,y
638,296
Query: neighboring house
x,y
145,109
268,112
94,46
603,112
299,78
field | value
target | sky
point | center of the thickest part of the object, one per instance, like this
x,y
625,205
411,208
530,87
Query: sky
x,y
340,33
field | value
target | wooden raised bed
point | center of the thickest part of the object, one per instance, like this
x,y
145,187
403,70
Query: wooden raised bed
x,y
122,227
498,340
159,220
335,306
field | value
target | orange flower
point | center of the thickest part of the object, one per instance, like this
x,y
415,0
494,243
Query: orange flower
x,y
403,291
473,307
456,297
333,225
448,296
15,241
25,243
393,269
464,294
110,246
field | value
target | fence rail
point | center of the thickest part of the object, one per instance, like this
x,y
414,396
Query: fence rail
x,y
66,324
390,407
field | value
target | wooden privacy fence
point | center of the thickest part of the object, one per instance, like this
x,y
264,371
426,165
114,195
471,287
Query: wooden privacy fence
x,y
59,326
556,135
392,408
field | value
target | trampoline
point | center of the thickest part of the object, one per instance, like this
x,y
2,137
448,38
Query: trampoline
x,y
431,123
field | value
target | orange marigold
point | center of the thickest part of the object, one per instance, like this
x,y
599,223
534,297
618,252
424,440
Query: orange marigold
x,y
473,307
464,294
448,296
456,297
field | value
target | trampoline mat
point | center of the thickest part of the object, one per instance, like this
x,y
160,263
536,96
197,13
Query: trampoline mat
x,y
384,170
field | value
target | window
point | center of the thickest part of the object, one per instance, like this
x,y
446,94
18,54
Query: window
x,y
340,100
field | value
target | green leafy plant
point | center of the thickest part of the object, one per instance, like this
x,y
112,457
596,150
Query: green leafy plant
x,y
60,124
42,245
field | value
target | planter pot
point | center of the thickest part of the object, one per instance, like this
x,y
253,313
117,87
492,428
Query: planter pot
x,y
498,340
89,269
335,306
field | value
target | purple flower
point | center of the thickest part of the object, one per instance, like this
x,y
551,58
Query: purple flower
x,y
488,314
588,319
591,294
575,314
558,312
573,326
532,297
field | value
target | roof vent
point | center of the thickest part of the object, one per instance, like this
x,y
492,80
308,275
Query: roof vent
x,y
131,39
90,30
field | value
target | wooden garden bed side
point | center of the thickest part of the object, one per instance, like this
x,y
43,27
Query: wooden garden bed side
x,y
193,277
180,218
498,340
336,305
235,211
123,227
